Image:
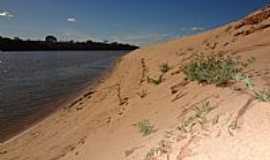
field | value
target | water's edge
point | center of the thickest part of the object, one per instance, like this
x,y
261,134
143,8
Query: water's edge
x,y
59,104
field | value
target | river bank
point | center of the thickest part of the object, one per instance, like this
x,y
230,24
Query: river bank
x,y
187,120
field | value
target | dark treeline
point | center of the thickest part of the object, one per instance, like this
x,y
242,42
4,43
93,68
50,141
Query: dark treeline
x,y
51,43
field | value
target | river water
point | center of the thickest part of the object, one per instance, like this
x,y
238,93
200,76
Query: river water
x,y
30,82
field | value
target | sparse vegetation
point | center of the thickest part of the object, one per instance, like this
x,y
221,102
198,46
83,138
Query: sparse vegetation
x,y
145,127
197,118
154,152
263,96
155,81
215,69
164,148
245,79
164,68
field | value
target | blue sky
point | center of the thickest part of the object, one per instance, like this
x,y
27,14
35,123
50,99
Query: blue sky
x,y
133,21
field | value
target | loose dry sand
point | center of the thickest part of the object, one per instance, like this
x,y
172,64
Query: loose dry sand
x,y
99,124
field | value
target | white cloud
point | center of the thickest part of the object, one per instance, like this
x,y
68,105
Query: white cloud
x,y
142,38
71,19
197,28
6,14
191,30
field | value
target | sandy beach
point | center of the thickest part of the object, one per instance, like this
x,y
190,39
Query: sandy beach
x,y
100,123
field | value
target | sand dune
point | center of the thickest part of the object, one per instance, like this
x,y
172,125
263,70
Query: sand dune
x,y
99,125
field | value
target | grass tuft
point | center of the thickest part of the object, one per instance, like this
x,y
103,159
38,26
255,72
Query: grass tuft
x,y
164,147
245,79
154,152
155,81
199,117
145,127
263,96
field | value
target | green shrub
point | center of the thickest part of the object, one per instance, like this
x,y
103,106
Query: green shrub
x,y
214,69
145,127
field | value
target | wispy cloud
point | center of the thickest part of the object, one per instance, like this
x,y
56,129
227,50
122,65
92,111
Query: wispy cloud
x,y
197,28
142,38
71,19
192,29
6,14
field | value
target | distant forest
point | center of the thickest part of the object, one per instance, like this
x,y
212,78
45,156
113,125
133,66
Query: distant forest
x,y
50,43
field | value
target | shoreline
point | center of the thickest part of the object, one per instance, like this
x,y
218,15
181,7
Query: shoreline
x,y
65,103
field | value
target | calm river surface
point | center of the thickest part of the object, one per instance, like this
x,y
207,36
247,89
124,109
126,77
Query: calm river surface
x,y
32,81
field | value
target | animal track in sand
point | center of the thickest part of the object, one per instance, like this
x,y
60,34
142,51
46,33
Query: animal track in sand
x,y
177,87
144,71
132,150
179,96
80,100
4,152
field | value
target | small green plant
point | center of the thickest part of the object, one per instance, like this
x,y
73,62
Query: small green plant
x,y
245,79
164,147
199,117
164,67
215,69
263,96
152,153
145,127
155,81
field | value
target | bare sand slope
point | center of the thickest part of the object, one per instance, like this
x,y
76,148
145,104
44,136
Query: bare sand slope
x,y
99,125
